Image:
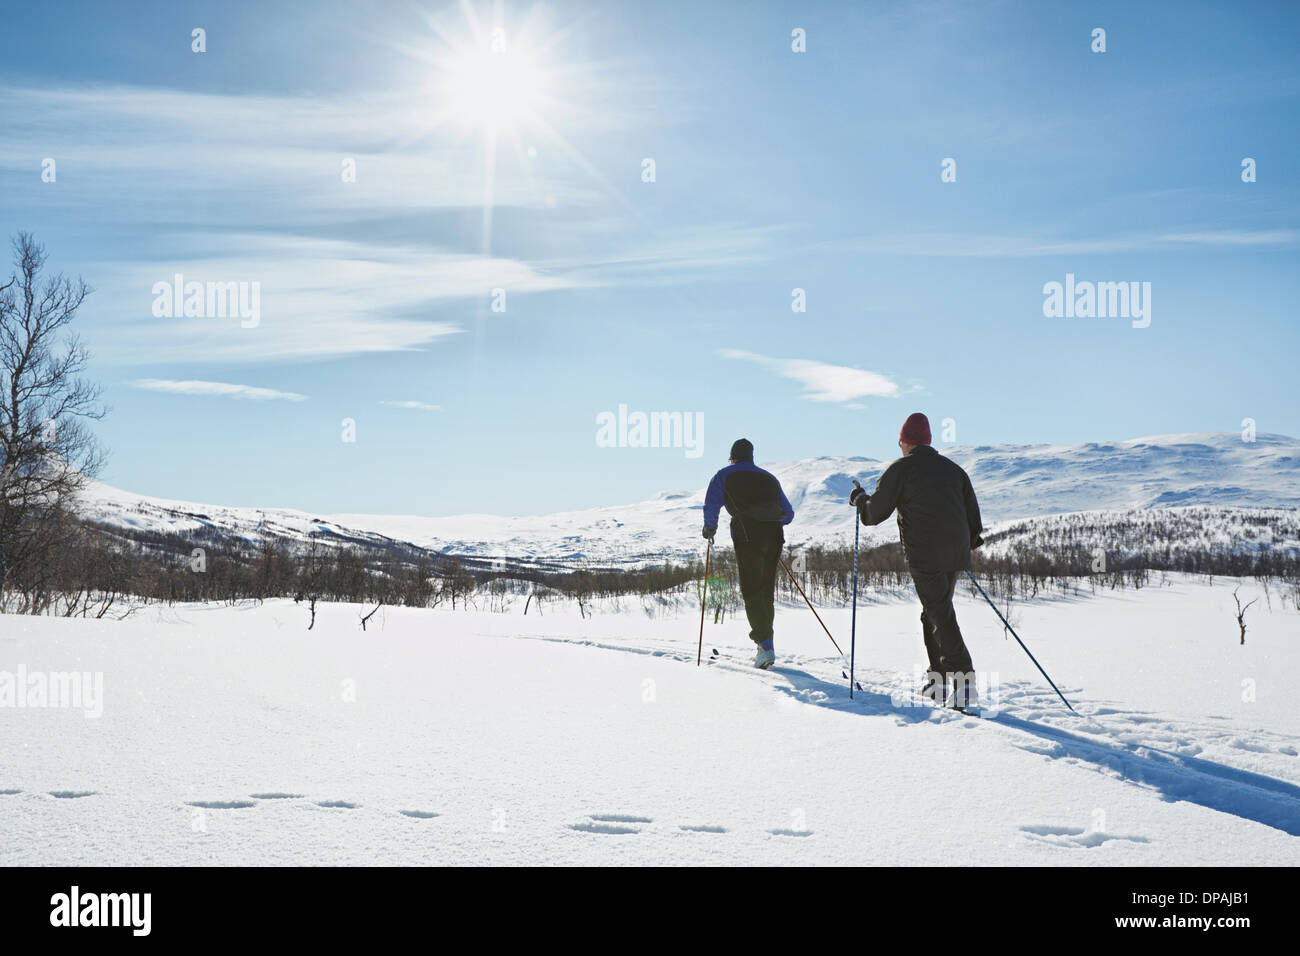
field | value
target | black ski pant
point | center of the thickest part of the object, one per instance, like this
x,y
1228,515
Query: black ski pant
x,y
756,562
943,641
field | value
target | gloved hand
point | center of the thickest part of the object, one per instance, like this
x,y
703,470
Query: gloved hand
x,y
710,532
858,494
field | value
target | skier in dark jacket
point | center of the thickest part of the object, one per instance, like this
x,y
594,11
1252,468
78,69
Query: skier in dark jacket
x,y
759,511
939,523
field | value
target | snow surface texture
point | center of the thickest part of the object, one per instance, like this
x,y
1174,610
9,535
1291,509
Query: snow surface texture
x,y
1012,482
228,737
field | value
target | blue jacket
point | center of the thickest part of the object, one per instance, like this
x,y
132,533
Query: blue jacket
x,y
749,494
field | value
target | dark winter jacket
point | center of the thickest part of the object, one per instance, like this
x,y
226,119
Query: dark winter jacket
x,y
938,516
754,499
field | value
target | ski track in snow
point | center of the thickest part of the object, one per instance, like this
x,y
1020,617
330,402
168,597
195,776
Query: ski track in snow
x,y
1141,749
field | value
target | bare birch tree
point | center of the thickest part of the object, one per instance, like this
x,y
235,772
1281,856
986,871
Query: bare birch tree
x,y
47,452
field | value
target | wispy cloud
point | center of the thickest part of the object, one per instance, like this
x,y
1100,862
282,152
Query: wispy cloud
x,y
380,264
323,297
823,382
684,253
223,389
319,298
420,406
1029,246
151,145
1230,237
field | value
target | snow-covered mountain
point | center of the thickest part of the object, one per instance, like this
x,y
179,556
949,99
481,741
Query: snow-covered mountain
x,y
1012,482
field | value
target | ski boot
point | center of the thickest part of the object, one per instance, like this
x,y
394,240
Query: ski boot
x,y
933,688
963,697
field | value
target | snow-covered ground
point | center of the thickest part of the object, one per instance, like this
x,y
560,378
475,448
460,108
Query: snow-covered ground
x,y
234,735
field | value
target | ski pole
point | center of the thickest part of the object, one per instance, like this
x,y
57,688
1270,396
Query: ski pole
x,y
1019,641
853,626
810,607
699,653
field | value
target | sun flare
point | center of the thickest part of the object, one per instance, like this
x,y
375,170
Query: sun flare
x,y
513,84
494,89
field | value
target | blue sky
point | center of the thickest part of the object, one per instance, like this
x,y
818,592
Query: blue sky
x,y
774,170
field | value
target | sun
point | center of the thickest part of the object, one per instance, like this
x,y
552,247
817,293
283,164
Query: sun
x,y
504,77
514,84
495,89
518,84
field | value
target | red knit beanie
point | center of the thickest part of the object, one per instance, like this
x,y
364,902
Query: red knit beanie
x,y
916,430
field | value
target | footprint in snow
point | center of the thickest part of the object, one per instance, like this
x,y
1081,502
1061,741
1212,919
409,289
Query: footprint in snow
x,y
9,793
222,804
418,814
602,828
610,823
276,795
1249,746
341,804
72,794
704,828
1076,837
785,831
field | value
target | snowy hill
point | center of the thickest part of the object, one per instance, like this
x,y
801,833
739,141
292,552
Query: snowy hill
x,y
1013,482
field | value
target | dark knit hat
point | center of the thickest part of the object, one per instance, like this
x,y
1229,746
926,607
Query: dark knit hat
x,y
742,450
916,430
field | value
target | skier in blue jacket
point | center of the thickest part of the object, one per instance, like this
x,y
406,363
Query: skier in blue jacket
x,y
759,511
